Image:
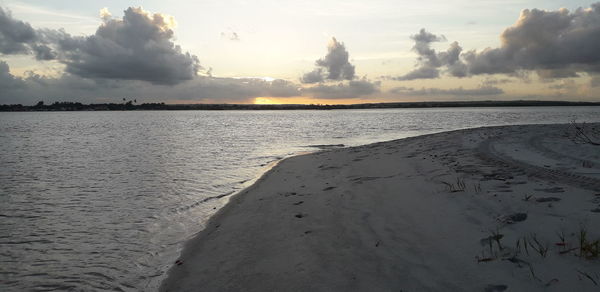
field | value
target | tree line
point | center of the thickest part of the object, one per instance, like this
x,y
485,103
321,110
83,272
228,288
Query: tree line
x,y
132,105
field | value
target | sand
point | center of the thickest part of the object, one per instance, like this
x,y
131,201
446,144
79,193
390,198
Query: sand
x,y
511,208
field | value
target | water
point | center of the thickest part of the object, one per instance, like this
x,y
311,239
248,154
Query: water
x,y
105,200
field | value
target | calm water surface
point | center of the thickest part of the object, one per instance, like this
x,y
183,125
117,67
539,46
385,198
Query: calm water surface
x,y
105,200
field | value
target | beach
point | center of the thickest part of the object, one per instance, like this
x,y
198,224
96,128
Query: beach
x,y
504,208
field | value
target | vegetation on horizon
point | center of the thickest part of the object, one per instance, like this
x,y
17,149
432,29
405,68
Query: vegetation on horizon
x,y
132,105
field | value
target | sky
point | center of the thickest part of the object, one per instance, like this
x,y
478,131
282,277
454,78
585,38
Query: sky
x,y
281,51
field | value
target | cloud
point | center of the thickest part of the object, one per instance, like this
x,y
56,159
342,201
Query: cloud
x,y
353,89
69,87
315,76
568,85
137,47
118,61
8,82
423,72
105,15
230,35
489,81
16,36
451,60
334,66
481,91
554,44
429,61
236,89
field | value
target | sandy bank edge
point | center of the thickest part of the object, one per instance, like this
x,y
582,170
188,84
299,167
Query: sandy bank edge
x,y
238,198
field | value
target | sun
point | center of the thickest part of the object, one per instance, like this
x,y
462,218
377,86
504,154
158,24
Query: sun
x,y
265,100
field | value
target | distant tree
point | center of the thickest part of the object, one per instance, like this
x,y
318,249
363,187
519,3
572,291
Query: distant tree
x,y
40,103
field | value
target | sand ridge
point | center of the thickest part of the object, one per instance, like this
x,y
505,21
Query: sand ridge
x,y
486,209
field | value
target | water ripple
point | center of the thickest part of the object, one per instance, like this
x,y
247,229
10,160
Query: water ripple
x,y
95,201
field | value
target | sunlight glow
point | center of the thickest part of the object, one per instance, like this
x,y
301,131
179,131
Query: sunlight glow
x,y
266,100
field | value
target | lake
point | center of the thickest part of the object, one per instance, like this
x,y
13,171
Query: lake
x,y
105,200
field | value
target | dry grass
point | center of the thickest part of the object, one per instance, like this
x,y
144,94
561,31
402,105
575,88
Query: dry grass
x,y
587,248
458,186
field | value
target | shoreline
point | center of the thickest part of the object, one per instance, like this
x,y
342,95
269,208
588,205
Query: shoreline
x,y
368,218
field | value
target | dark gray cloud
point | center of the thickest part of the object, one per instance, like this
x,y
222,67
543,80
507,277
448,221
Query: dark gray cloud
x,y
429,61
69,87
452,62
480,91
8,82
16,36
43,52
118,61
334,66
236,89
422,72
137,47
314,76
554,44
353,89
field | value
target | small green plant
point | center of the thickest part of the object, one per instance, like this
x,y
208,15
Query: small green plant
x,y
587,248
527,197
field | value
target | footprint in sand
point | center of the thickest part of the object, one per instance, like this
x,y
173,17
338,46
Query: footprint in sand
x,y
513,218
490,239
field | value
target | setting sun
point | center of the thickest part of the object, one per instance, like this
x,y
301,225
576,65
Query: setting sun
x,y
265,100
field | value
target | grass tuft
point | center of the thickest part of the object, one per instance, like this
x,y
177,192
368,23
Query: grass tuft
x,y
458,186
588,249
